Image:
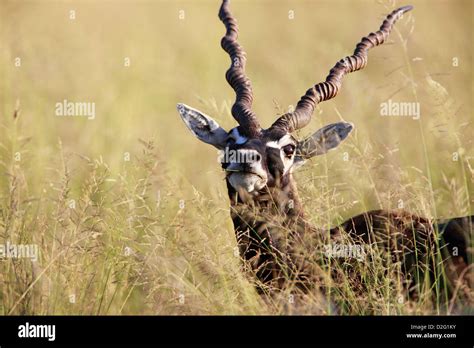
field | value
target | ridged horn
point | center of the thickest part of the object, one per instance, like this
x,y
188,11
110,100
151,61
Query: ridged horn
x,y
235,75
328,89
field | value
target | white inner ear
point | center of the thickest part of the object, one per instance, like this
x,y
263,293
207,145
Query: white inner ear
x,y
202,126
189,114
283,141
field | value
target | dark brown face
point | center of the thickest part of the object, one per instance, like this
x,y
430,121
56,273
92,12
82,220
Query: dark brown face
x,y
253,163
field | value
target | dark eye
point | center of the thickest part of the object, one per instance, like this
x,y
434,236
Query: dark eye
x,y
289,150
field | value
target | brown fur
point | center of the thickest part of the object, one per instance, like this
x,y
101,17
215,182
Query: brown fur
x,y
281,248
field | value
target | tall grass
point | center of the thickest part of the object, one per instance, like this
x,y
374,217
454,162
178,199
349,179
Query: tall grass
x,y
130,212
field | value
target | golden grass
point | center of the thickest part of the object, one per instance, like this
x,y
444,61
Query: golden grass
x,y
152,235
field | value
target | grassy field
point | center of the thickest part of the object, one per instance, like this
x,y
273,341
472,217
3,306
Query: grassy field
x,y
130,212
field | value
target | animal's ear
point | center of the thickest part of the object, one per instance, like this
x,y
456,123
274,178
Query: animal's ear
x,y
203,126
322,141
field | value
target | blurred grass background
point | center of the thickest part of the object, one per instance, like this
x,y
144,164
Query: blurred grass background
x,y
181,258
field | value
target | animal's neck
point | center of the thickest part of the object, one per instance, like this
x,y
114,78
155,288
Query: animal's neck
x,y
265,225
280,202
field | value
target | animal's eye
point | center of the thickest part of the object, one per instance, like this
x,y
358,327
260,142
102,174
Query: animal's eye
x,y
289,150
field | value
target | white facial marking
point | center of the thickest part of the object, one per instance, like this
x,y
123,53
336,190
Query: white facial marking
x,y
283,141
247,182
253,178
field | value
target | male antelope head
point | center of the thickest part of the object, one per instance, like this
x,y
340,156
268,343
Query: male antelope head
x,y
257,159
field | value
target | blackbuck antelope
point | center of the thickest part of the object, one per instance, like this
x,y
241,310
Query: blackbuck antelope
x,y
273,236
